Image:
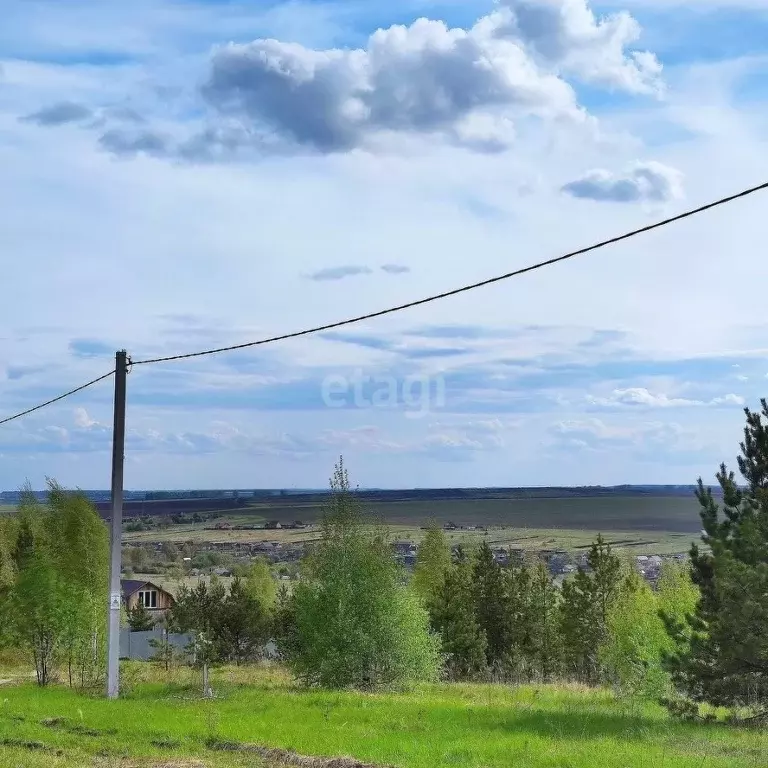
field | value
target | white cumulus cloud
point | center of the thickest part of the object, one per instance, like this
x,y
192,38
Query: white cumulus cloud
x,y
468,85
567,34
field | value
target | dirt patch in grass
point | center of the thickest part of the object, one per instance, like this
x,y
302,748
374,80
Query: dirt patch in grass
x,y
32,746
284,757
164,764
165,743
61,723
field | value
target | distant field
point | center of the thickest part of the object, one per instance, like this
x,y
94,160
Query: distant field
x,y
645,525
532,539
171,584
632,513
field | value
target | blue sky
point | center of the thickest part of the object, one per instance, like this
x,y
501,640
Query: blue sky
x,y
184,175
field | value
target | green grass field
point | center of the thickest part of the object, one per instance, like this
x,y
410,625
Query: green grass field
x,y
533,539
161,724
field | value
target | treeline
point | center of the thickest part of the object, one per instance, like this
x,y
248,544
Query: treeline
x,y
53,585
354,620
515,624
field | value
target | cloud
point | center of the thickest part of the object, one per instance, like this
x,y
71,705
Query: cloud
x,y
464,441
90,348
360,340
566,34
425,78
472,87
61,113
130,143
644,182
403,349
339,273
469,332
16,372
601,339
645,441
83,420
729,400
638,396
352,270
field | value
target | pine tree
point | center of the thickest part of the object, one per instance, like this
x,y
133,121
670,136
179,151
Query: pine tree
x,y
432,562
243,626
544,648
452,613
721,654
587,600
140,619
493,610
198,610
284,624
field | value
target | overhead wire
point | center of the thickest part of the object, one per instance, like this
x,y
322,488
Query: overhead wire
x,y
408,305
465,288
56,399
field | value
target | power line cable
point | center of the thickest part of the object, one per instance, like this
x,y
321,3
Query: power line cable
x,y
56,399
400,307
465,288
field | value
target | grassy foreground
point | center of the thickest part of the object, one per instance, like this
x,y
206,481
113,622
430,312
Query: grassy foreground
x,y
166,724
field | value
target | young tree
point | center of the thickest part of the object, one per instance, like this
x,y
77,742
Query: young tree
x,y
587,599
140,619
24,546
80,553
284,625
198,610
7,567
632,651
37,607
243,626
166,654
721,654
433,560
260,583
453,616
677,593
354,623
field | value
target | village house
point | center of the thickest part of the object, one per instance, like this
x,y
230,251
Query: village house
x,y
138,592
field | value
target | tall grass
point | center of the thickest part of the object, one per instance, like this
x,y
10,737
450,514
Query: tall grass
x,y
161,720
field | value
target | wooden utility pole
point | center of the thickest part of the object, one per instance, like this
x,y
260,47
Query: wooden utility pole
x,y
116,527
